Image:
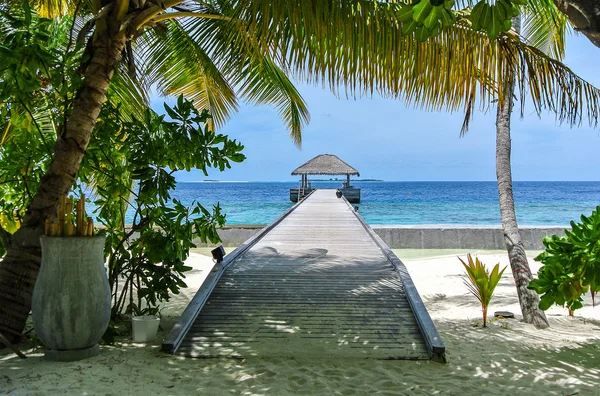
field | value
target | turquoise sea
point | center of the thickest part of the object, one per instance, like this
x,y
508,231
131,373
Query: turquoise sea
x,y
476,203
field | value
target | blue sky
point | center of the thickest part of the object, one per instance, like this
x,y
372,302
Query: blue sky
x,y
385,139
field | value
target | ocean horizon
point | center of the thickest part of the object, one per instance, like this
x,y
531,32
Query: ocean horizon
x,y
383,181
537,203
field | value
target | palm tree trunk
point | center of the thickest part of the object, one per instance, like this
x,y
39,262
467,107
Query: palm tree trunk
x,y
528,299
20,267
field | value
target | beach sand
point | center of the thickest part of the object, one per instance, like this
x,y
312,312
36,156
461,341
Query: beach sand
x,y
508,357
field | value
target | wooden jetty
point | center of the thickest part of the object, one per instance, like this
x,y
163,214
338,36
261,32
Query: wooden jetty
x,y
316,282
325,164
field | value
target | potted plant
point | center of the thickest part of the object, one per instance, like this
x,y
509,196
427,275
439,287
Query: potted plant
x,y
338,193
71,297
144,328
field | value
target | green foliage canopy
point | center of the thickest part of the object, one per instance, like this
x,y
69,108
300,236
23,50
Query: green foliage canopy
x,y
36,85
216,52
131,166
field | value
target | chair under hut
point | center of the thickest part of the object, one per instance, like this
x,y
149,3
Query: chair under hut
x,y
325,164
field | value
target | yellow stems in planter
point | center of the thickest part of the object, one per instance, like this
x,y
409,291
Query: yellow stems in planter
x,y
68,224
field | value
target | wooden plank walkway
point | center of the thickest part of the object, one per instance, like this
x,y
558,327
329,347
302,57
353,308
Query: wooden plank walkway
x,y
317,283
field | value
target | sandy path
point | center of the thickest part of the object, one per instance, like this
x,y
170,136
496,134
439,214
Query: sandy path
x,y
508,357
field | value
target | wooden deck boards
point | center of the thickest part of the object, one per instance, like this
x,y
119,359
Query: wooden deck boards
x,y
316,284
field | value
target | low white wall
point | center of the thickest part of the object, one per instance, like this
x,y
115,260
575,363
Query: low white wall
x,y
234,235
424,236
459,237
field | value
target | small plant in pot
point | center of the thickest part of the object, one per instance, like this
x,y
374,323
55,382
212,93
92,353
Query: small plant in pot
x,y
71,298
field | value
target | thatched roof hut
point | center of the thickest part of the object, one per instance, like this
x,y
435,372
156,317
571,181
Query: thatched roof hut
x,y
325,164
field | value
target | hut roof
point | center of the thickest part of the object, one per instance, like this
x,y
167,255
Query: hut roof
x,y
325,164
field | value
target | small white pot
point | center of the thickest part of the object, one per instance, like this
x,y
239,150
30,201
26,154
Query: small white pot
x,y
144,328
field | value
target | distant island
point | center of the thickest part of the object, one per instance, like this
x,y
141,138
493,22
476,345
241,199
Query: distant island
x,y
344,179
215,181
290,181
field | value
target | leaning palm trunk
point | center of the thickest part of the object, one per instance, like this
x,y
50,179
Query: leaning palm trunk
x,y
528,299
20,267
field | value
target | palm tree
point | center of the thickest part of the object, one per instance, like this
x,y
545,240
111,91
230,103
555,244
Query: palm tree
x,y
190,47
544,29
528,299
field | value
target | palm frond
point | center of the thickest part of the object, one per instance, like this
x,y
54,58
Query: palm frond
x,y
43,125
550,85
255,71
128,93
357,45
55,8
241,65
545,27
266,83
179,65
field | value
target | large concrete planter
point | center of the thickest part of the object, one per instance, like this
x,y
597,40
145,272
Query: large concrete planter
x,y
71,298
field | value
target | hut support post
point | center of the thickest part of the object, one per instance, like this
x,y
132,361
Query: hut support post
x,y
348,181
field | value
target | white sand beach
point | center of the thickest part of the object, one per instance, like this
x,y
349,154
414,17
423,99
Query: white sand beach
x,y
508,357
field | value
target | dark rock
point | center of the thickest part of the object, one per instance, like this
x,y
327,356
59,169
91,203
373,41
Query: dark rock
x,y
504,314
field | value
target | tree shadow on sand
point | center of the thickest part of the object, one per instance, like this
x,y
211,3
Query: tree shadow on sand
x,y
495,360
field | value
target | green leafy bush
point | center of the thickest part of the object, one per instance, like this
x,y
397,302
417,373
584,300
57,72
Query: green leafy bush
x,y
571,265
131,165
481,282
